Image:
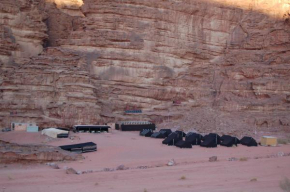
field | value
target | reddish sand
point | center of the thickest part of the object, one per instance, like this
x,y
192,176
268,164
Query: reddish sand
x,y
131,150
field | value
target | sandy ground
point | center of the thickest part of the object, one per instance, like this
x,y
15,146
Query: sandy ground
x,y
132,151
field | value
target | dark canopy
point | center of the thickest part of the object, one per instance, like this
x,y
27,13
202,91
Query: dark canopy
x,y
213,135
249,141
172,139
181,133
229,141
183,144
81,147
158,135
209,142
166,132
193,138
91,128
146,132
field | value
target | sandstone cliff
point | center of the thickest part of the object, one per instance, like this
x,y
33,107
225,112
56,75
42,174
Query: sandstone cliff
x,y
227,62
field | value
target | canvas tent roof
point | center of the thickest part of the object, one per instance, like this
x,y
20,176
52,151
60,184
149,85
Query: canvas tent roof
x,y
52,132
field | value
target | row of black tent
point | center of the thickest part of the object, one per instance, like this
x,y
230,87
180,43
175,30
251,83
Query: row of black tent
x,y
210,140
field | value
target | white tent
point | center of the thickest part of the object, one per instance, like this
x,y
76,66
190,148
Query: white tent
x,y
52,132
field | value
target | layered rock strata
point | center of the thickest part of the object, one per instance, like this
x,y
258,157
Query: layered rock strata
x,y
12,153
226,63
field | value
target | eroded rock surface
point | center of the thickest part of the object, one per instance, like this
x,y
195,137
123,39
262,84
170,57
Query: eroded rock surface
x,y
226,62
12,153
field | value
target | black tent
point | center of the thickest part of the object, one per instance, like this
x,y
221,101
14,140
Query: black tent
x,y
248,141
229,141
81,147
213,135
117,126
181,133
209,142
134,125
137,127
146,132
183,144
158,135
225,137
166,132
91,128
172,139
193,138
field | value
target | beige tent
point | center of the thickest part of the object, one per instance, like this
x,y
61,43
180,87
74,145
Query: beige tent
x,y
52,132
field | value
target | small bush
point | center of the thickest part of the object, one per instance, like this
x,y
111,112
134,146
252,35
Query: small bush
x,y
182,178
10,177
244,159
254,180
285,184
283,141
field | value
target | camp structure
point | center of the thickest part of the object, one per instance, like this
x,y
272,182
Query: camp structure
x,y
214,135
91,128
210,140
134,125
193,138
62,135
249,141
166,132
181,133
18,126
158,135
269,141
146,132
81,147
172,139
64,129
29,127
183,144
53,132
229,141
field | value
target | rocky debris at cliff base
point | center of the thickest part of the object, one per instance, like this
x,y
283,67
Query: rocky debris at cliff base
x,y
121,167
71,171
171,162
12,153
213,159
53,165
233,159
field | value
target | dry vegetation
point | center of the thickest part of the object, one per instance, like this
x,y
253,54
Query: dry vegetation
x,y
254,180
182,177
285,184
244,159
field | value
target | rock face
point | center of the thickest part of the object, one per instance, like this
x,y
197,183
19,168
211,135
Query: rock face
x,y
12,153
209,65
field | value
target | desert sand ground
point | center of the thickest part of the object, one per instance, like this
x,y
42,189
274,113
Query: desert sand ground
x,y
192,172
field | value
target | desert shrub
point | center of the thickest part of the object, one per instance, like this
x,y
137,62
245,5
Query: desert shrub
x,y
285,184
244,159
283,141
254,180
182,177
